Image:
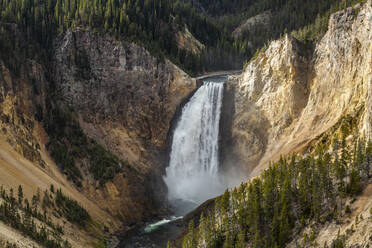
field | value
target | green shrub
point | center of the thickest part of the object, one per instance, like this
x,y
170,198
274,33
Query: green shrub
x,y
69,144
65,160
339,242
71,209
348,210
103,165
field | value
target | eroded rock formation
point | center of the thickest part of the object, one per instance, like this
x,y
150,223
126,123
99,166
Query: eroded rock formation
x,y
289,95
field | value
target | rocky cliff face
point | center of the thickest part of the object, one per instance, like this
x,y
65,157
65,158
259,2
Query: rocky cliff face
x,y
290,95
268,97
124,99
24,158
21,98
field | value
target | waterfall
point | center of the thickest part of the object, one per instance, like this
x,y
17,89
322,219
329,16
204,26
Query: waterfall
x,y
193,172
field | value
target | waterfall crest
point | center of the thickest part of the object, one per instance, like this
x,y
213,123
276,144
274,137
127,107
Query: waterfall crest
x,y
193,172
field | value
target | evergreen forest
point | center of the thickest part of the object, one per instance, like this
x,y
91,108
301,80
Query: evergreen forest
x,y
32,217
153,24
292,194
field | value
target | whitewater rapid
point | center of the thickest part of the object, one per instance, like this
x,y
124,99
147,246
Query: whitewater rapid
x,y
193,172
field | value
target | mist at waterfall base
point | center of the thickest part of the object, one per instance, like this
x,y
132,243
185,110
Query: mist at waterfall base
x,y
193,175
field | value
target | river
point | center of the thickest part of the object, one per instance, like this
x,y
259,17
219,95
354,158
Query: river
x,y
193,175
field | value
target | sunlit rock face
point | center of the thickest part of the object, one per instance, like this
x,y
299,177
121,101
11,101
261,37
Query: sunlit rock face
x,y
290,94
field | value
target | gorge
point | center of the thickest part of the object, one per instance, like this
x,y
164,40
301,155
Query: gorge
x,y
109,139
193,174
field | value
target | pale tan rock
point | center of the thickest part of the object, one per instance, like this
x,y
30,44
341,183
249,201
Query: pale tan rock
x,y
262,19
286,97
187,41
355,227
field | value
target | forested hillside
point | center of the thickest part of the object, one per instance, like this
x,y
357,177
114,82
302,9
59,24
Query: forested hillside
x,y
89,97
309,200
290,195
153,24
308,20
30,217
148,23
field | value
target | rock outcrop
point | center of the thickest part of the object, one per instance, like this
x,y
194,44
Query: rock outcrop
x,y
290,95
187,41
259,21
20,99
126,100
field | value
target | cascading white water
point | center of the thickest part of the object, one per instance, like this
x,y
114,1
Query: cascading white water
x,y
192,174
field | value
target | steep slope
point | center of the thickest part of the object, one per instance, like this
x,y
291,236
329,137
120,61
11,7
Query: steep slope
x,y
297,202
313,101
260,20
355,228
116,101
125,100
23,158
290,95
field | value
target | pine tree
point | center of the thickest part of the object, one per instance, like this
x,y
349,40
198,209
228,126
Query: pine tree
x,y
190,240
368,160
285,215
20,195
229,241
225,200
240,241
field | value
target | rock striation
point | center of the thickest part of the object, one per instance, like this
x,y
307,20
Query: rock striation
x,y
21,98
290,95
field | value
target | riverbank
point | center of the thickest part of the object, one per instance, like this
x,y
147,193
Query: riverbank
x,y
153,235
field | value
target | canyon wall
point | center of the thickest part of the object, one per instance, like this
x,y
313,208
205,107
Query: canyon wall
x,y
123,98
24,159
119,87
291,94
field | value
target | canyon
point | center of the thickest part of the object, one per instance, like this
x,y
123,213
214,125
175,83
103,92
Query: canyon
x,y
121,97
290,98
